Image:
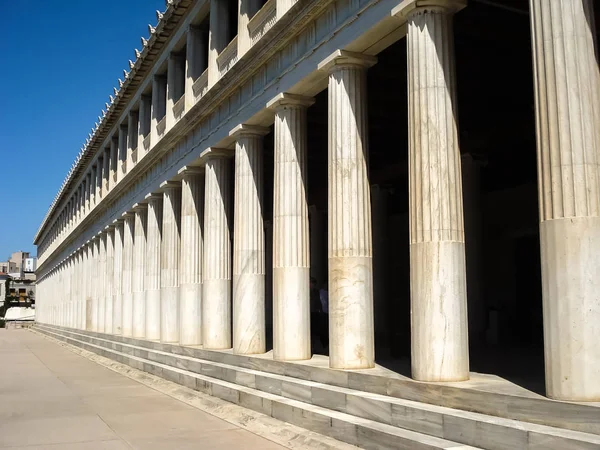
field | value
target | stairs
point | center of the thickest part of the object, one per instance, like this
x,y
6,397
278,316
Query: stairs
x,y
352,406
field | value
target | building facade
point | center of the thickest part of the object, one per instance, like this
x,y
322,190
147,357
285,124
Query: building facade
x,y
255,144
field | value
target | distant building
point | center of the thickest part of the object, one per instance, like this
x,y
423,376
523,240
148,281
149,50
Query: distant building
x,y
30,264
8,267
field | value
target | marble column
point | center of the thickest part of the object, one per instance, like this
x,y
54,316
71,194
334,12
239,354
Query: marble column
x,y
101,282
109,278
246,10
122,152
159,104
106,171
118,278
95,267
216,276
567,96
195,61
132,138
437,243
127,274
192,198
351,334
218,36
145,118
169,262
283,6
248,242
174,87
152,265
89,287
139,262
291,258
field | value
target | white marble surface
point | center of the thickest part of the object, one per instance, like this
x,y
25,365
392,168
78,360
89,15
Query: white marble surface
x,y
437,243
101,282
351,333
567,88
117,278
139,268
248,242
192,215
152,266
169,263
127,275
109,279
216,283
291,258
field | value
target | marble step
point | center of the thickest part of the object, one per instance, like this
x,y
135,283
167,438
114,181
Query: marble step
x,y
484,394
354,430
446,423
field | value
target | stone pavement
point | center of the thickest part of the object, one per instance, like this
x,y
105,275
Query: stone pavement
x,y
51,398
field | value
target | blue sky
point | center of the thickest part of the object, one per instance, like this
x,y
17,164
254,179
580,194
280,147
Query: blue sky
x,y
60,61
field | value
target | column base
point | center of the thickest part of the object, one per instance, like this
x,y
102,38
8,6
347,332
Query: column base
x,y
152,314
351,334
249,314
191,298
169,314
440,345
570,250
216,314
291,313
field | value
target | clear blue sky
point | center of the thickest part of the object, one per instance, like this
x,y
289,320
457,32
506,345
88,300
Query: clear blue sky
x,y
60,61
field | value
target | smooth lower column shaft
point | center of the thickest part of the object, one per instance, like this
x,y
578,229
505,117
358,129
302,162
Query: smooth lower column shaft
x,y
567,94
248,243
139,262
192,198
291,258
152,267
216,282
351,343
437,239
169,263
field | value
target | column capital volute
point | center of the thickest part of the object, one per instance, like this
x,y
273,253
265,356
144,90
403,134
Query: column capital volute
x,y
99,234
109,228
341,59
419,6
248,130
127,215
117,222
283,99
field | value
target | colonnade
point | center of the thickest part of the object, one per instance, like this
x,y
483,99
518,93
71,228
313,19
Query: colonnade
x,y
165,269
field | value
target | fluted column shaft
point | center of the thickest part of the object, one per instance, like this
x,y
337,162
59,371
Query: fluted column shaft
x,y
159,102
118,278
127,274
192,198
351,344
169,263
248,243
196,55
291,257
216,276
89,288
246,10
139,263
101,283
437,239
109,279
567,93
152,269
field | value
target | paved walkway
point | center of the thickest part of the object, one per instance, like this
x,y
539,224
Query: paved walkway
x,y
51,398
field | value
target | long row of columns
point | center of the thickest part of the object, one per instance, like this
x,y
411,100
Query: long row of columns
x,y
191,288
